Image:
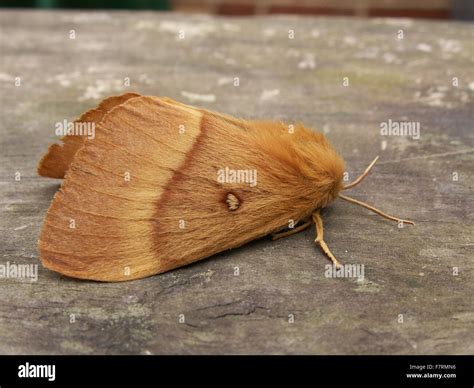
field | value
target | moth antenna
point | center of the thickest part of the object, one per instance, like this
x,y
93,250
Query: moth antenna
x,y
364,174
375,210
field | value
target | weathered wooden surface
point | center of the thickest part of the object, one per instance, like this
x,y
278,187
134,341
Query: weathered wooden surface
x,y
408,271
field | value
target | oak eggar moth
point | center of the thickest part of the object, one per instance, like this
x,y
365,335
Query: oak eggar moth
x,y
157,188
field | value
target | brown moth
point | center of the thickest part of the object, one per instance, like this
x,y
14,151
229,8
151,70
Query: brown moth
x,y
164,184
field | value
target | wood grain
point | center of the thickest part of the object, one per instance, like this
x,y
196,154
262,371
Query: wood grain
x,y
408,271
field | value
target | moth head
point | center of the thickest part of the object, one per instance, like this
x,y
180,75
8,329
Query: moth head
x,y
333,190
308,156
322,166
334,184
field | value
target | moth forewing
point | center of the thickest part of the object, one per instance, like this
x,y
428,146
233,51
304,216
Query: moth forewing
x,y
56,162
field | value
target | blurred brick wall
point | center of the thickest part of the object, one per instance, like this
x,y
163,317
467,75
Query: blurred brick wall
x,y
439,9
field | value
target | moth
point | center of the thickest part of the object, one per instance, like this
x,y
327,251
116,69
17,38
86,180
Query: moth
x,y
147,193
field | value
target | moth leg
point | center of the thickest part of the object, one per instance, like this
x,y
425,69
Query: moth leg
x,y
320,238
306,225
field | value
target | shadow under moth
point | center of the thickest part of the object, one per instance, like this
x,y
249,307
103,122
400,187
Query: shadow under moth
x,y
162,184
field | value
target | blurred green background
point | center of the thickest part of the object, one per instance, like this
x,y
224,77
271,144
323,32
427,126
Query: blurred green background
x,y
88,4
